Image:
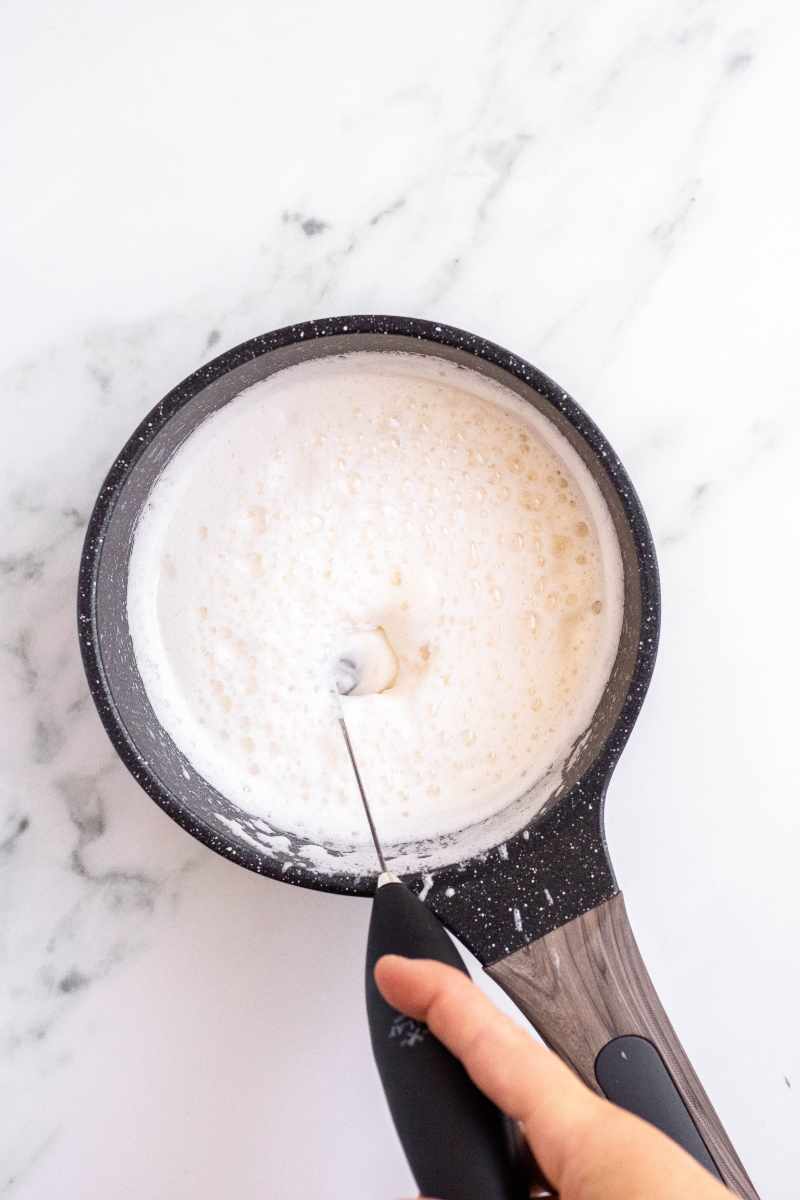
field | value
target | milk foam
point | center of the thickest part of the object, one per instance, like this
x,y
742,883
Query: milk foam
x,y
375,491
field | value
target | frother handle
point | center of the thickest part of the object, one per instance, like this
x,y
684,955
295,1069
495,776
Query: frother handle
x,y
457,1143
586,990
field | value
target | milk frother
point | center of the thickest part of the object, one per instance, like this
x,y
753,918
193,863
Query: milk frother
x,y
458,1144
531,890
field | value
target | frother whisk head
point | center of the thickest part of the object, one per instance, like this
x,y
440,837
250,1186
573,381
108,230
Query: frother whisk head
x,y
367,664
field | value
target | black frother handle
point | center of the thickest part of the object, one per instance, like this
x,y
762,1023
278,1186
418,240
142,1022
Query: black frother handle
x,y
458,1144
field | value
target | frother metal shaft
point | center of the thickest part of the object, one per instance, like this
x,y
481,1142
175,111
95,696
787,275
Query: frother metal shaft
x,y
363,795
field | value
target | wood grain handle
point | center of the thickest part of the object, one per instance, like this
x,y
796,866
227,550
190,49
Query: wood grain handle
x,y
583,987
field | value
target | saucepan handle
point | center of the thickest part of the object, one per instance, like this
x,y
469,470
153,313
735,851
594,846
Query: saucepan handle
x,y
586,990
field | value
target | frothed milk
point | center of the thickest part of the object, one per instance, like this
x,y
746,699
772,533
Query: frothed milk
x,y
381,492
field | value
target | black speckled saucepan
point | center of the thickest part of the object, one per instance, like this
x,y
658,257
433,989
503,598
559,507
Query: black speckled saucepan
x,y
539,905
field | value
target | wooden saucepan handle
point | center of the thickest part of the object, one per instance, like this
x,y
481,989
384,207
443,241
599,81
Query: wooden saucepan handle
x,y
586,990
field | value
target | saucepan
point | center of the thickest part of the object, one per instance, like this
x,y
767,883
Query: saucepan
x,y
530,891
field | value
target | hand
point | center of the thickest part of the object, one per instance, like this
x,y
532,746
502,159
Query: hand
x,y
588,1148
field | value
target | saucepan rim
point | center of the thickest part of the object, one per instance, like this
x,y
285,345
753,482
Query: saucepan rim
x,y
423,331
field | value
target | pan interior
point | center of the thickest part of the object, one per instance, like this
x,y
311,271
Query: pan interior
x,y
172,778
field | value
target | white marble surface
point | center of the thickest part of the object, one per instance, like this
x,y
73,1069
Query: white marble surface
x,y
610,189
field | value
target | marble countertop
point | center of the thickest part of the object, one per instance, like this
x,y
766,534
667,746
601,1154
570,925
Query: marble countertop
x,y
610,190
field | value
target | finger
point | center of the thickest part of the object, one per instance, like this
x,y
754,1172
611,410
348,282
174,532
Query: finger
x,y
522,1078
497,1053
586,1147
